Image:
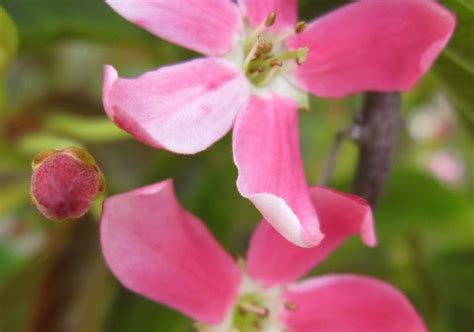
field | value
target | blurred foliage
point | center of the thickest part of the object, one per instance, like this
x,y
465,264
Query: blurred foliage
x,y
8,40
49,271
456,65
8,48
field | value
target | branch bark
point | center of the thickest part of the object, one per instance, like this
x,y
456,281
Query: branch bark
x,y
378,126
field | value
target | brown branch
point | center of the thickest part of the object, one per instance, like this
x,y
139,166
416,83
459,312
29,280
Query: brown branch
x,y
378,125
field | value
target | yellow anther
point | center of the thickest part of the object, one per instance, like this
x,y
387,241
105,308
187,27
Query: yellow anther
x,y
270,19
267,47
290,306
276,63
256,70
300,26
301,54
246,307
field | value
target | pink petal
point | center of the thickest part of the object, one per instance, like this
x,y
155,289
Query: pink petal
x,y
353,303
271,175
159,250
372,45
183,108
257,12
207,26
273,260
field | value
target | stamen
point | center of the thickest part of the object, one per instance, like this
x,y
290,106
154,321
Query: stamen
x,y
300,26
251,55
258,325
301,55
245,307
270,75
276,62
270,19
290,306
264,49
256,70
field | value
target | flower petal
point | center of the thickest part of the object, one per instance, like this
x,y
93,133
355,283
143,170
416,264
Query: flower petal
x,y
183,108
257,12
207,26
271,175
353,303
372,45
273,260
159,250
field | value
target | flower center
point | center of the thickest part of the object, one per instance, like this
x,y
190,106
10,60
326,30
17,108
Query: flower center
x,y
255,309
250,313
265,54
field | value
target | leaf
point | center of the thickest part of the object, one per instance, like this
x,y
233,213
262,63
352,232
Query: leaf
x,y
31,144
452,272
455,66
41,22
415,201
131,312
8,40
86,129
12,197
310,9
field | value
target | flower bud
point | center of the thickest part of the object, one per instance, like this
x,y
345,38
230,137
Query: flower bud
x,y
65,182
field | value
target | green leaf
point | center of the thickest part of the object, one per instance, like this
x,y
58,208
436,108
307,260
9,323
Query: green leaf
x,y
86,129
8,40
12,197
414,201
41,22
31,144
132,312
452,272
455,66
8,48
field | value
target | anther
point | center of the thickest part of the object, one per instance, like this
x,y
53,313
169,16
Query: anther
x,y
253,51
266,48
256,70
261,42
290,306
276,63
258,325
301,55
270,19
253,308
300,26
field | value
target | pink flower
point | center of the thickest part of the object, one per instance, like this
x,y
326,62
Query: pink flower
x,y
163,252
259,63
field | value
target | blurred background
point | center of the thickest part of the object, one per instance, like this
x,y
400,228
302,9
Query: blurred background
x,y
52,275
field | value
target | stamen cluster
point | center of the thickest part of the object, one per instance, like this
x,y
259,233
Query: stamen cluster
x,y
265,53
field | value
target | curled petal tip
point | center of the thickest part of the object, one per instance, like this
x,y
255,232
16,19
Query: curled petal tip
x,y
367,230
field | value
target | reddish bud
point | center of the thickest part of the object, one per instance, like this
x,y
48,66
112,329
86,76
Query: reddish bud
x,y
65,182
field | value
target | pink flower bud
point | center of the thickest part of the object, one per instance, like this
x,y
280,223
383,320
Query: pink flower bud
x,y
65,182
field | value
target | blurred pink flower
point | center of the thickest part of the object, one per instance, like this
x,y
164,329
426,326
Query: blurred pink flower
x,y
446,167
163,252
259,63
